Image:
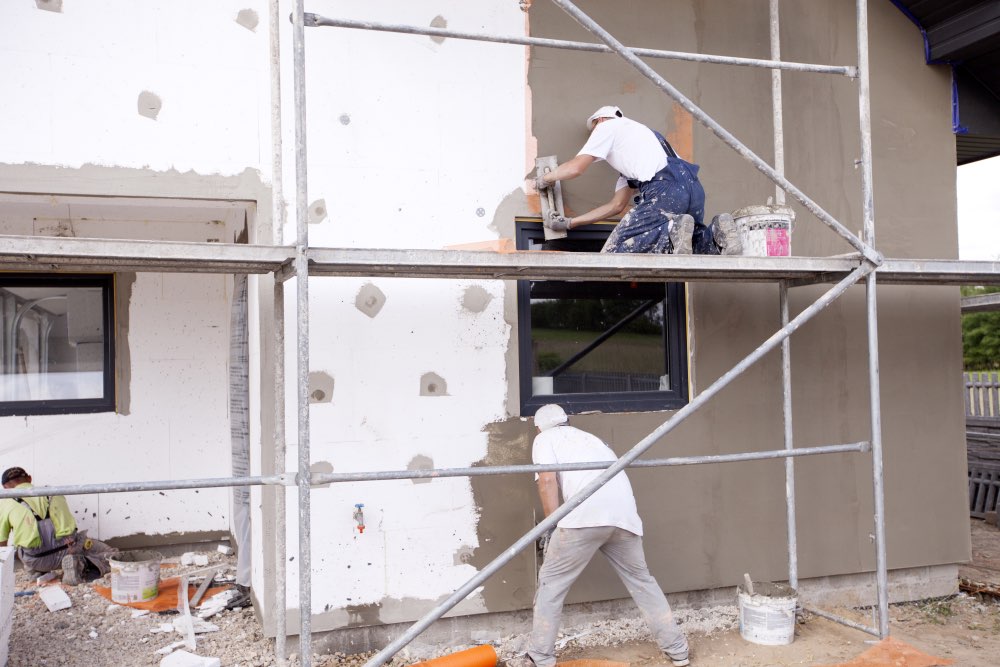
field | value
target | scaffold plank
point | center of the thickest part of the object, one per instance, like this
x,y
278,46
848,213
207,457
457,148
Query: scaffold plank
x,y
34,253
541,265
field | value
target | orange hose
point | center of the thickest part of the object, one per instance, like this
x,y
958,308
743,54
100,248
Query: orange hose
x,y
480,656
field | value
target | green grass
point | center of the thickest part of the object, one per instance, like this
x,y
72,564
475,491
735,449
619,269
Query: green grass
x,y
623,352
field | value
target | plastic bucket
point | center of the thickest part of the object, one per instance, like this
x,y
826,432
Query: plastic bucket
x,y
768,616
135,576
766,231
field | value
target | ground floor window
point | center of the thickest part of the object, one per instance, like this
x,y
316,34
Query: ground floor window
x,y
57,351
598,345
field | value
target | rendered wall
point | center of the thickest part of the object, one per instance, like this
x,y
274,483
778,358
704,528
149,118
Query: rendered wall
x,y
706,526
79,118
416,142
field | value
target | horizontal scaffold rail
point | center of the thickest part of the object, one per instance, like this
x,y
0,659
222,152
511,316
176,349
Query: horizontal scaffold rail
x,y
317,21
381,475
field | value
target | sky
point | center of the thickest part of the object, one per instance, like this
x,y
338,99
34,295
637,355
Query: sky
x,y
979,210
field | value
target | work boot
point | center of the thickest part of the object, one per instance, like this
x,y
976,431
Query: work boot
x,y
726,235
679,662
522,660
72,567
680,231
241,599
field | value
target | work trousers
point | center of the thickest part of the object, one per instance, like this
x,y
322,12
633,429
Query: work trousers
x,y
567,554
73,545
674,190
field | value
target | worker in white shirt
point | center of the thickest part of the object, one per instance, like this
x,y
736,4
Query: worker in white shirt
x,y
607,522
667,198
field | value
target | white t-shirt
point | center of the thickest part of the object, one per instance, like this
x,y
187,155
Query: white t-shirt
x,y
629,147
611,505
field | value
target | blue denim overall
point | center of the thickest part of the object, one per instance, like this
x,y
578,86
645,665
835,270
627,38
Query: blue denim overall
x,y
675,189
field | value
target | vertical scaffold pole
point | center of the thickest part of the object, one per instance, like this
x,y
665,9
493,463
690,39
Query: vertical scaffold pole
x,y
776,104
868,206
278,225
786,410
786,345
302,347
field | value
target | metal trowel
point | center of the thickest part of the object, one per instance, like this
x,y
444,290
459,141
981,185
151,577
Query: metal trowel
x,y
551,197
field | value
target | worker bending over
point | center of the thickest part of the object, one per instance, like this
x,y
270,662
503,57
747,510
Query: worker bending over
x,y
44,531
667,198
607,522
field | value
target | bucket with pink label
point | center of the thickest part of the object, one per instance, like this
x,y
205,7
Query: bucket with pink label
x,y
766,230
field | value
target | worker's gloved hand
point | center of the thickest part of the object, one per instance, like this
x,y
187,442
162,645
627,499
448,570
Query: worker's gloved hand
x,y
540,183
557,223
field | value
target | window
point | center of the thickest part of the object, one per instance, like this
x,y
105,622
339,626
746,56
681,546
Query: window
x,y
599,345
57,349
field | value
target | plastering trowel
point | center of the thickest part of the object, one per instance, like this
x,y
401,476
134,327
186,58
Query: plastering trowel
x,y
551,197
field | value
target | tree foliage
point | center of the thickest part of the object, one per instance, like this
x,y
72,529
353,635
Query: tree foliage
x,y
981,335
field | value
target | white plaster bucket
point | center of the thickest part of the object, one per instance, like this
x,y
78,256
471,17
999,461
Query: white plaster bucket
x,y
768,616
766,230
135,576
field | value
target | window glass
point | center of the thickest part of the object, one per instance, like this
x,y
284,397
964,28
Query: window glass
x,y
598,345
56,348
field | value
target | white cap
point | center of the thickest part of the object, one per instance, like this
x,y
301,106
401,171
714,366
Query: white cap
x,y
550,415
604,112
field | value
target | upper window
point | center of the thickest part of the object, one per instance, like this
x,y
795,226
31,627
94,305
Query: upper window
x,y
599,345
57,344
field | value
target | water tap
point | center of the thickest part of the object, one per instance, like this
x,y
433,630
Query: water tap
x,y
359,516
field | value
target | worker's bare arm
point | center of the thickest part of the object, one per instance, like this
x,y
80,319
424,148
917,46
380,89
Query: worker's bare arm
x,y
548,491
569,169
616,206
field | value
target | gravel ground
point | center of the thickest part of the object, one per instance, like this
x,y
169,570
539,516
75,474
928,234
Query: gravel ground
x,y
95,631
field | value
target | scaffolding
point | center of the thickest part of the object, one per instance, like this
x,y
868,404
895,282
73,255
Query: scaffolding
x,y
303,262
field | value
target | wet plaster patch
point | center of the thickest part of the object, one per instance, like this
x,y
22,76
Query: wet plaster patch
x,y
320,387
421,462
49,5
322,467
438,22
317,212
370,299
432,384
248,19
475,299
149,104
508,507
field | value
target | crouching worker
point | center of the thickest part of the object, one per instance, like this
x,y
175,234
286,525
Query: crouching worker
x,y
607,522
44,531
667,199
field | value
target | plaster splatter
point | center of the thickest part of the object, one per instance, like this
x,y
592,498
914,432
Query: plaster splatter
x,y
320,387
248,19
421,462
432,384
370,299
317,211
321,467
345,119
439,22
149,104
49,5
475,299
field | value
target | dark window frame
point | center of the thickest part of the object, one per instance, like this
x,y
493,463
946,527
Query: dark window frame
x,y
676,397
107,402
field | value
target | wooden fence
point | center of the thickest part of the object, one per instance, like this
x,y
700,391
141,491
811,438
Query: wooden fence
x,y
982,437
982,395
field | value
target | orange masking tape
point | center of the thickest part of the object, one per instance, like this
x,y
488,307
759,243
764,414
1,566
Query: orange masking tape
x,y
480,656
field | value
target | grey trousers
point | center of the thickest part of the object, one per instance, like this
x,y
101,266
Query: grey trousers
x,y
567,554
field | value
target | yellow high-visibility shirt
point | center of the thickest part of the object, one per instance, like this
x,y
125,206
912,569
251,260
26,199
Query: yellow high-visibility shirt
x,y
19,527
